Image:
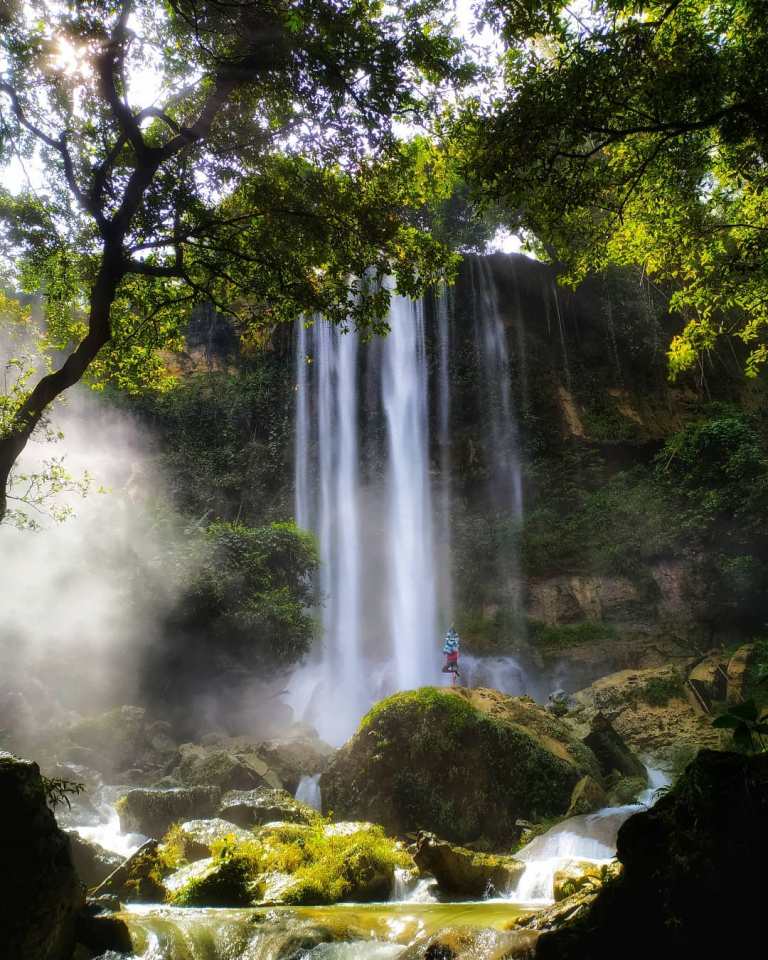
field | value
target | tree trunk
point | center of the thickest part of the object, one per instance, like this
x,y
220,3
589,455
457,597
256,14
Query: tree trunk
x,y
52,385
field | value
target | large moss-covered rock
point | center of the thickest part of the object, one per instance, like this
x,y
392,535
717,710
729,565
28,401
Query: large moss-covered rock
x,y
151,812
681,860
461,763
290,863
466,872
40,894
249,808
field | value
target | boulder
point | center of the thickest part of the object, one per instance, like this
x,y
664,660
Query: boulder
x,y
466,872
40,894
294,864
152,812
92,862
680,859
614,756
464,764
649,710
709,681
296,757
577,875
211,883
193,839
138,879
248,808
467,943
587,797
121,740
738,672
239,768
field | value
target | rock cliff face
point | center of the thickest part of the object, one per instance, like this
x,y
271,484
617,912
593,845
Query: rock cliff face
x,y
40,893
466,764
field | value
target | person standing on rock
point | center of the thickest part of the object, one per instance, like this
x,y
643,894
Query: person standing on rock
x,y
451,651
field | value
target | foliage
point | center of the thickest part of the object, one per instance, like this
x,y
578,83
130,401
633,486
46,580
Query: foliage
x,y
223,438
749,725
249,592
634,133
265,176
658,691
570,634
58,791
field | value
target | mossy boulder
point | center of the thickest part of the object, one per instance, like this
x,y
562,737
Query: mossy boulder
x,y
139,879
588,795
249,808
221,882
195,839
296,864
40,894
463,764
152,812
466,872
577,875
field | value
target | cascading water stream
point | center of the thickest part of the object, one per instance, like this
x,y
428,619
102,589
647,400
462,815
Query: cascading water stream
x,y
412,581
590,837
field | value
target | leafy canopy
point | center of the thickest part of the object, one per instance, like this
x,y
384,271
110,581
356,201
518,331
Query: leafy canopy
x,y
236,152
636,133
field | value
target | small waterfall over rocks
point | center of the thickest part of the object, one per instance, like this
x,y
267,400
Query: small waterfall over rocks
x,y
308,791
590,837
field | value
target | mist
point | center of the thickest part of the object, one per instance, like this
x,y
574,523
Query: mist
x,y
83,598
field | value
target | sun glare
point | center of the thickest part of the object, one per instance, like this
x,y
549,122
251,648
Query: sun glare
x,y
69,59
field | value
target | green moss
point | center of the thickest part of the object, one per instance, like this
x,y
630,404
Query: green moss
x,y
324,867
450,714
660,690
227,884
570,634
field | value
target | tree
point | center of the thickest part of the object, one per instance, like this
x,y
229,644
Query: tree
x,y
637,134
264,175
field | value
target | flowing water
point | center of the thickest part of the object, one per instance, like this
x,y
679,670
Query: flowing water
x,y
341,932
373,463
590,837
308,791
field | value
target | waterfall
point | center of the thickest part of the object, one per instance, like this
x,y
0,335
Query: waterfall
x,y
308,791
412,584
445,582
506,485
588,837
394,565
331,442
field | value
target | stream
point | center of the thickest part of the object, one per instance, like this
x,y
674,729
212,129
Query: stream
x,y
378,931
